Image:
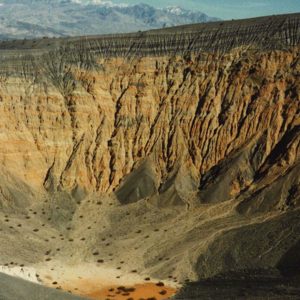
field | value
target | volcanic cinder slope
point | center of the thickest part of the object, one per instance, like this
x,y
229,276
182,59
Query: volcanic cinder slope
x,y
172,154
15,288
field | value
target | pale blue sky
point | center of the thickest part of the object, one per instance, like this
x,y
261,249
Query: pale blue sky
x,y
228,9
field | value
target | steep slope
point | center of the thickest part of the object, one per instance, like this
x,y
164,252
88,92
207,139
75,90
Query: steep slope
x,y
180,145
13,288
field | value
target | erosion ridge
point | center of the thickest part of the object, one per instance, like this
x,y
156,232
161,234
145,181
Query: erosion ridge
x,y
183,148
269,32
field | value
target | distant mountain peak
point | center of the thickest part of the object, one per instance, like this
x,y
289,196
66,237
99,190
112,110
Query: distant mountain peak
x,y
177,10
87,17
106,3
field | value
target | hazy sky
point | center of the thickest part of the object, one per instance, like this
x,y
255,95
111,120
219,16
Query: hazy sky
x,y
228,9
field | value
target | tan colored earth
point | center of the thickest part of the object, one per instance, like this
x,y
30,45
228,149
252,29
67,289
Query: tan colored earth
x,y
175,167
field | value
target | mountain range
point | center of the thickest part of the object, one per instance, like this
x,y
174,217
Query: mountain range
x,y
151,165
61,18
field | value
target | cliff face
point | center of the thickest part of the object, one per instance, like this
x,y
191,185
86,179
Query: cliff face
x,y
198,128
182,114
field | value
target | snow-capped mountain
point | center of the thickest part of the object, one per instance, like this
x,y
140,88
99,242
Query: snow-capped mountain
x,y
37,18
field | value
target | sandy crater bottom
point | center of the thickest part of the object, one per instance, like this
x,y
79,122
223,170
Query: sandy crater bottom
x,y
100,283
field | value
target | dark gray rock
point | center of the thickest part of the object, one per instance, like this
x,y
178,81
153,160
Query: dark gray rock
x,y
14,288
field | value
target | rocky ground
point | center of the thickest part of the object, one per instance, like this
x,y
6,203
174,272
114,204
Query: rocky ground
x,y
246,286
15,288
105,246
148,171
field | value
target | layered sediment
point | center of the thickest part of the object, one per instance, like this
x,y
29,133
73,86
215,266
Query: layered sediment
x,y
196,126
